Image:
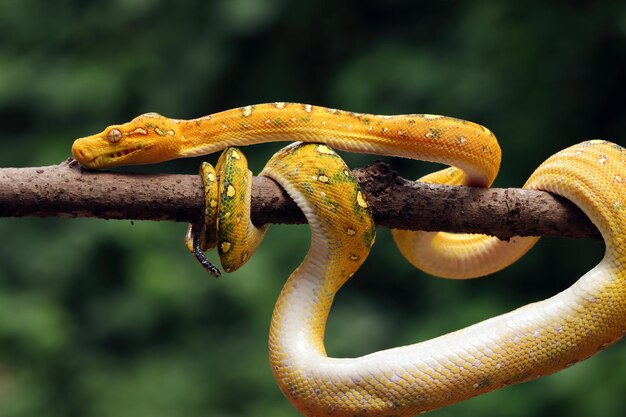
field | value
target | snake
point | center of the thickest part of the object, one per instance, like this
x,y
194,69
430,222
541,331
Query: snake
x,y
532,341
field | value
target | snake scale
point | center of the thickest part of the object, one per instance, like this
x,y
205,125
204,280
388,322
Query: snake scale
x,y
531,341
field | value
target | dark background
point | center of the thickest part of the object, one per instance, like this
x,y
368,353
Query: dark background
x,y
112,318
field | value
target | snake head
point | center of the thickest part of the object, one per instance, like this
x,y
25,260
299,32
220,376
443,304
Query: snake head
x,y
147,139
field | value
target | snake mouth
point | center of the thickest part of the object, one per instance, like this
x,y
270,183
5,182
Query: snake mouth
x,y
118,157
111,158
120,154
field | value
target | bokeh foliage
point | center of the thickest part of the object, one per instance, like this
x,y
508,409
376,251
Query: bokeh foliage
x,y
102,318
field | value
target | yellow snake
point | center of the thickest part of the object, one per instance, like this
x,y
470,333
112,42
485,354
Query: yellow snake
x,y
535,340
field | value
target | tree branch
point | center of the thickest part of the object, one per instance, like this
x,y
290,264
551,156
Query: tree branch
x,y
68,190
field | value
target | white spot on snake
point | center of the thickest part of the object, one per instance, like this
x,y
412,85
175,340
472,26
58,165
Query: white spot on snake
x,y
432,116
246,111
323,149
308,108
618,179
350,232
268,122
401,133
280,105
152,115
235,154
224,126
230,192
170,132
602,160
139,131
461,140
225,246
360,200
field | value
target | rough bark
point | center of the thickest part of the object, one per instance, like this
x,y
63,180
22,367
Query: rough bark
x,y
68,190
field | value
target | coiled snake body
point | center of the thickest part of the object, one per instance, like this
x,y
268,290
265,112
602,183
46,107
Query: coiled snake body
x,y
535,340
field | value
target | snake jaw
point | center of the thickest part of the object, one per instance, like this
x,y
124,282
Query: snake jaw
x,y
120,156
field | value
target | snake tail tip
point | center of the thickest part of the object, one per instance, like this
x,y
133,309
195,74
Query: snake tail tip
x,y
206,264
211,269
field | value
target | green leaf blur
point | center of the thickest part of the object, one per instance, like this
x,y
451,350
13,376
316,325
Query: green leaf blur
x,y
112,318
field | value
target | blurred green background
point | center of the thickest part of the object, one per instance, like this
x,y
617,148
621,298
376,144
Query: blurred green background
x,y
113,318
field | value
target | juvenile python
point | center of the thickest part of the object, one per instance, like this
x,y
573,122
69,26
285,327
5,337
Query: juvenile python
x,y
534,340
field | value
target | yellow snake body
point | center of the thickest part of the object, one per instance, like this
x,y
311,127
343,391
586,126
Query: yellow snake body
x,y
534,340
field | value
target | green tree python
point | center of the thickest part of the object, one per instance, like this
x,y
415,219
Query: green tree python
x,y
531,341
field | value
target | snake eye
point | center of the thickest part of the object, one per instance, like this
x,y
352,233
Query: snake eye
x,y
114,136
